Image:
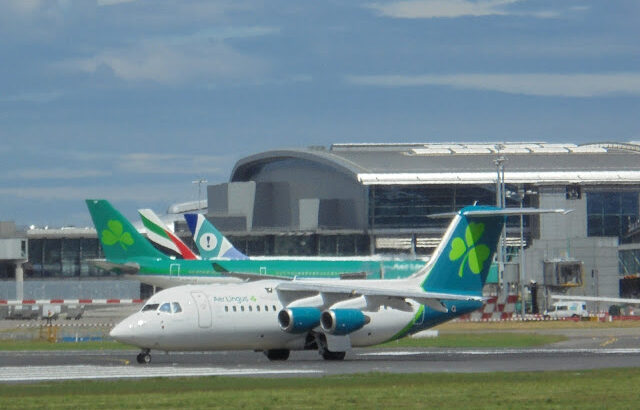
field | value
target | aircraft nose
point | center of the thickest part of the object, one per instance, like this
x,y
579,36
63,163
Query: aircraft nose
x,y
124,332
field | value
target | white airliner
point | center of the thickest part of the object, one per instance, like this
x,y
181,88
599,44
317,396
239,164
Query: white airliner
x,y
277,316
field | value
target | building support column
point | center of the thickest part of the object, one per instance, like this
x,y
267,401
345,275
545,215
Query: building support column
x,y
19,281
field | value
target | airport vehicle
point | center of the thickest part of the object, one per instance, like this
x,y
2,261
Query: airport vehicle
x,y
277,316
160,234
129,253
566,309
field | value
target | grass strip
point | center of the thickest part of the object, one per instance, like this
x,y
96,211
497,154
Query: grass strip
x,y
609,388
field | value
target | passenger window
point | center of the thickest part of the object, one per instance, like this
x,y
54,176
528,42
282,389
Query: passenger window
x,y
266,308
242,308
226,308
258,308
250,308
151,306
166,308
274,307
234,309
176,307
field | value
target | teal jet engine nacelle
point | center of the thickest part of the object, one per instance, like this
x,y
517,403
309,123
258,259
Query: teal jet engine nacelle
x,y
341,322
299,319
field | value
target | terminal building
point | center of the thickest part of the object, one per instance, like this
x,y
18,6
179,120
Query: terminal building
x,y
362,199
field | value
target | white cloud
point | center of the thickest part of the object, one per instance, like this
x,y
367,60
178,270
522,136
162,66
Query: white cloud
x,y
113,2
129,192
426,9
33,97
442,8
556,85
55,173
145,163
167,63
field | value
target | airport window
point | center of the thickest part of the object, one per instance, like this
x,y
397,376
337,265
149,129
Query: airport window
x,y
166,307
176,307
611,213
151,306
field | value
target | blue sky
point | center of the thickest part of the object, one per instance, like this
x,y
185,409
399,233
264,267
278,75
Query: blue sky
x,y
132,100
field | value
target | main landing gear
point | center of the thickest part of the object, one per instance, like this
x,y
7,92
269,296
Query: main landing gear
x,y
144,357
324,351
277,354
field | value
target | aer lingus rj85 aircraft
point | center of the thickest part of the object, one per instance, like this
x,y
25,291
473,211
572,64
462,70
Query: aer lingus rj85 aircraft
x,y
129,253
276,316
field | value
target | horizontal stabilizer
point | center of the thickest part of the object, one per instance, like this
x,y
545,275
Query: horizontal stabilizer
x,y
503,211
129,268
253,276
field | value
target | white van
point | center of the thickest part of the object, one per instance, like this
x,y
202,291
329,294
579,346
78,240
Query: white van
x,y
564,309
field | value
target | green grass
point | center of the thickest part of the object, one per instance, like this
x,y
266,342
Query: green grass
x,y
615,388
44,345
501,340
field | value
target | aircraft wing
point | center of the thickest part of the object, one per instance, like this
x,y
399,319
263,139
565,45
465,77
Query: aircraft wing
x,y
254,276
597,299
130,268
431,299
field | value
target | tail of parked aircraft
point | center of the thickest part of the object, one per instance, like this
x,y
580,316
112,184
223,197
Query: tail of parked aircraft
x,y
211,243
158,233
462,261
119,239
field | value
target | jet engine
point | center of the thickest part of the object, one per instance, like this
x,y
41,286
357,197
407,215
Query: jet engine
x,y
299,319
341,322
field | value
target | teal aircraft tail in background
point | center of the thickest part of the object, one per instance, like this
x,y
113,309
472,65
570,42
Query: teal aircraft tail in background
x,y
120,240
211,243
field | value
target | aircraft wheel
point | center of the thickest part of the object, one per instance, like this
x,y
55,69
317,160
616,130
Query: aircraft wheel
x,y
277,354
327,355
144,358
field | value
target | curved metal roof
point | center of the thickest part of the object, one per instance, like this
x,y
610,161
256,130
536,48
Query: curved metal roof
x,y
462,163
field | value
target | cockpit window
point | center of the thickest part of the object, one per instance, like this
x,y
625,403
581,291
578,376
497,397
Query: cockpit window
x,y
166,307
176,307
150,306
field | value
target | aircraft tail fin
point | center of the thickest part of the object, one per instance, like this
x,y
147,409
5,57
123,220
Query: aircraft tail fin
x,y
462,261
160,234
211,243
119,238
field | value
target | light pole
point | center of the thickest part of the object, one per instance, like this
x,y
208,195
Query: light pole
x,y
199,182
501,203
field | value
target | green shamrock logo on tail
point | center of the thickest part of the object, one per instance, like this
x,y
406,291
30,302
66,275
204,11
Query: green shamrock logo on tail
x,y
475,254
115,235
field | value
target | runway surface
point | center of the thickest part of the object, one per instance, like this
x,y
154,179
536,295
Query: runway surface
x,y
78,365
584,349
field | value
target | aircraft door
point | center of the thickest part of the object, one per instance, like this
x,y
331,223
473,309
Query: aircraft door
x,y
174,269
204,309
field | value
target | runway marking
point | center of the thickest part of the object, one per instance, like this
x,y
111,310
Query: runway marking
x,y
82,372
501,352
608,342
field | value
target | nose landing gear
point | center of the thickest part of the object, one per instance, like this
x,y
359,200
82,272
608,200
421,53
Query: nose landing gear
x,y
144,357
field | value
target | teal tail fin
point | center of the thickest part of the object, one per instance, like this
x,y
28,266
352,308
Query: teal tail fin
x,y
119,239
211,243
461,262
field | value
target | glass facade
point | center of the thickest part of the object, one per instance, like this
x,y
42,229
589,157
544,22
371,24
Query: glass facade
x,y
611,213
407,206
629,262
63,258
303,245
